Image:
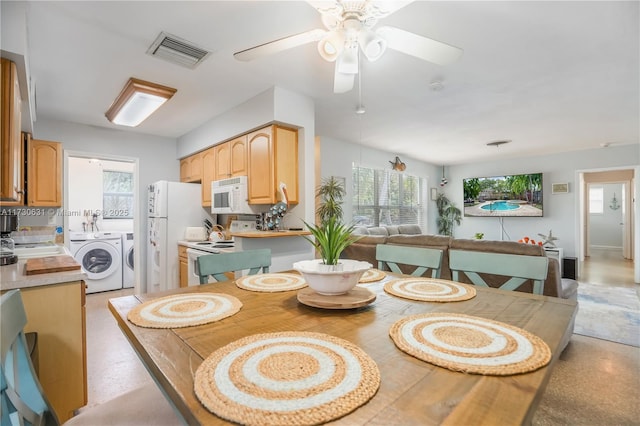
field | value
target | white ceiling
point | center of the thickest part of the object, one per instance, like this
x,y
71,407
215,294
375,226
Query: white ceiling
x,y
551,76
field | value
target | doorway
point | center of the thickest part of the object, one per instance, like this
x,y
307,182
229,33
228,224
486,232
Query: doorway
x,y
100,196
607,224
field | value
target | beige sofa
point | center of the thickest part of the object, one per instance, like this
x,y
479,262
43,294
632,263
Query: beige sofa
x,y
410,235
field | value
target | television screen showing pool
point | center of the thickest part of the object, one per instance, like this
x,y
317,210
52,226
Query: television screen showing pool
x,y
501,196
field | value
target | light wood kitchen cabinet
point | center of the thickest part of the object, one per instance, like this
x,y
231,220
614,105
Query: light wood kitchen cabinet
x,y
11,145
208,175
191,168
183,261
44,173
57,313
272,155
231,158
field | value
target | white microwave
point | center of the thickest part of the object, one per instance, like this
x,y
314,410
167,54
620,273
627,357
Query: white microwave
x,y
230,196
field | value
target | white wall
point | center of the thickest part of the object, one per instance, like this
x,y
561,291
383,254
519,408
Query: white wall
x,y
85,193
559,209
156,157
338,158
273,105
606,228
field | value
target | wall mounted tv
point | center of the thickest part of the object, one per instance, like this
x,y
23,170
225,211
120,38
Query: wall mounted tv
x,y
502,196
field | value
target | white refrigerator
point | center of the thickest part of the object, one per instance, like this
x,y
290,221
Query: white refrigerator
x,y
172,207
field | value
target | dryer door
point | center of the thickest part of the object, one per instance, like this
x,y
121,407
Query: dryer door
x,y
99,259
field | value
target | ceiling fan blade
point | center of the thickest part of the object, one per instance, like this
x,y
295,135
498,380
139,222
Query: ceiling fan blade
x,y
279,45
421,47
342,82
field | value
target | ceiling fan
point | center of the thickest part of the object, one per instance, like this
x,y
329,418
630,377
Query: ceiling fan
x,y
349,29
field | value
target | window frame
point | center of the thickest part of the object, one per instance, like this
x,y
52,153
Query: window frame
x,y
397,211
112,213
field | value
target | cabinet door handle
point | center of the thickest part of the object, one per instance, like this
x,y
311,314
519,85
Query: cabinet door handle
x,y
19,191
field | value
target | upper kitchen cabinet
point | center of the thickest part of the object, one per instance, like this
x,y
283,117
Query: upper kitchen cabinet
x,y
191,168
231,158
272,158
208,175
11,162
44,173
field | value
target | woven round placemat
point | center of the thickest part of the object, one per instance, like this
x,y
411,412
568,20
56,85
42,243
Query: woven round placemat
x,y
430,289
184,310
270,283
286,378
470,344
372,275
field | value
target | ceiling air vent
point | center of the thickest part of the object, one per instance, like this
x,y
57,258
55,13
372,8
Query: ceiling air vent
x,y
177,50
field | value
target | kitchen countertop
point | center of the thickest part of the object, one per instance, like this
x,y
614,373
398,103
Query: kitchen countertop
x,y
270,234
13,276
206,246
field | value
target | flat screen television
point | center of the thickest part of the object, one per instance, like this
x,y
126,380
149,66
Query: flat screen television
x,y
502,196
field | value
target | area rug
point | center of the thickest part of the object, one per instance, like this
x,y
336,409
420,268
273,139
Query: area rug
x,y
609,312
287,378
470,344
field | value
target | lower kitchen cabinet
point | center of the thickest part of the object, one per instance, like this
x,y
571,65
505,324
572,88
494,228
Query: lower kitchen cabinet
x,y
183,261
56,312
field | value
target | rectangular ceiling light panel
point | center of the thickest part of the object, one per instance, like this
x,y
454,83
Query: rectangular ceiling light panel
x,y
137,101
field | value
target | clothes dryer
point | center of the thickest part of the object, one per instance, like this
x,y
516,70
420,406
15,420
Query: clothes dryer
x,y
100,256
128,275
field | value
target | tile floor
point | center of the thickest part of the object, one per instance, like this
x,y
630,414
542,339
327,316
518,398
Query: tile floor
x,y
595,382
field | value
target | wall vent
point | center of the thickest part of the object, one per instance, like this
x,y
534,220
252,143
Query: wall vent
x,y
177,50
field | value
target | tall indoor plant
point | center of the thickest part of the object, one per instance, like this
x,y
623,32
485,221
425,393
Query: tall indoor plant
x,y
331,236
448,215
331,275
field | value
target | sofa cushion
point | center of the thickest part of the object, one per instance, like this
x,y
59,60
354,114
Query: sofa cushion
x,y
569,289
392,230
378,230
409,229
364,249
510,247
361,230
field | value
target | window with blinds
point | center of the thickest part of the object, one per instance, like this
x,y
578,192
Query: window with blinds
x,y
387,197
117,195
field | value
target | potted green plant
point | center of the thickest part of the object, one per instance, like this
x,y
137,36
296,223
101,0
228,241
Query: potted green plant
x,y
448,215
331,275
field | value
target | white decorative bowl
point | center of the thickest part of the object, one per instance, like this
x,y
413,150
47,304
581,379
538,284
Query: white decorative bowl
x,y
332,280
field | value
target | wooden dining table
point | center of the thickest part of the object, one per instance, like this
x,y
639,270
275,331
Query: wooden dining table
x,y
411,392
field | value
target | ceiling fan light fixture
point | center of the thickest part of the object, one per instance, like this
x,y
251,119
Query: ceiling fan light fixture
x,y
373,46
331,46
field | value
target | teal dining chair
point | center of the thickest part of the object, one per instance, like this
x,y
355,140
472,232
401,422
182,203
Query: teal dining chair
x,y
25,403
423,258
517,269
218,264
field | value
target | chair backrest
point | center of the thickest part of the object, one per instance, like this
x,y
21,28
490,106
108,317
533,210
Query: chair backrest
x,y
23,400
389,256
519,268
217,264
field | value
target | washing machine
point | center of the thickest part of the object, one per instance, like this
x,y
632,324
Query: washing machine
x,y
100,255
128,276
